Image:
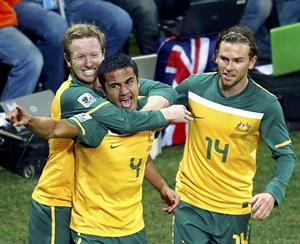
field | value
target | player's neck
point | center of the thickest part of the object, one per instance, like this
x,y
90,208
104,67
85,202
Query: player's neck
x,y
232,90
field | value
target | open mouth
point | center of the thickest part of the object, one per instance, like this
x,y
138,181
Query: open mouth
x,y
126,102
228,76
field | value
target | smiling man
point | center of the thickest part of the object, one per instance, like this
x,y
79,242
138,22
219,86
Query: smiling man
x,y
215,176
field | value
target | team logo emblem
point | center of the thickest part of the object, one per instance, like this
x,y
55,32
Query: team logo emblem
x,y
83,117
86,99
243,127
241,130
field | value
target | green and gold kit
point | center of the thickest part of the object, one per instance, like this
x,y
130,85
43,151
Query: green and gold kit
x,y
108,193
73,97
219,161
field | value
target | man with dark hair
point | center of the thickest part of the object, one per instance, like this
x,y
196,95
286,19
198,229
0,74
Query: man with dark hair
x,y
215,178
115,212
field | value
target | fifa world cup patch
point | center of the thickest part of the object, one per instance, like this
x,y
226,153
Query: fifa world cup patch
x,y
86,99
83,117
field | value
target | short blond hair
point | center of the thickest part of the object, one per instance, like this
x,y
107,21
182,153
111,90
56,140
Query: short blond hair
x,y
83,30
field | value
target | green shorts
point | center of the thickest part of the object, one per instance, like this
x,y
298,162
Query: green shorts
x,y
48,224
136,238
193,225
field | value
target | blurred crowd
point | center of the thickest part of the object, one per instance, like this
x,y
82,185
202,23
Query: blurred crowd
x,y
31,32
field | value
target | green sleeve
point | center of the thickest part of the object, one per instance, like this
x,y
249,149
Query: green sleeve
x,y
275,134
284,168
84,100
124,121
155,88
91,133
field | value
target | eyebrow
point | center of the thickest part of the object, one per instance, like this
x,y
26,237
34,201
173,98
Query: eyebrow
x,y
114,82
130,78
224,56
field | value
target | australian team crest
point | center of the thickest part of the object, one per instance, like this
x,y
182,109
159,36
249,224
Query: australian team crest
x,y
241,130
86,99
242,127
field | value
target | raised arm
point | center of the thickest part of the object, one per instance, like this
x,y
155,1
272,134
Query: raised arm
x,y
156,102
110,116
48,128
160,95
123,121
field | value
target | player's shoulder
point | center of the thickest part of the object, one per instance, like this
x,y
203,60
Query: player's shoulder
x,y
78,92
80,98
262,93
201,81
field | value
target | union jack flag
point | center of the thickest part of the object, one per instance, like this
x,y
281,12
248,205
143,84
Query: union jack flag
x,y
177,60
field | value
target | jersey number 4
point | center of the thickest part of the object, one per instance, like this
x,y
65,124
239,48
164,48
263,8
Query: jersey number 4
x,y
136,165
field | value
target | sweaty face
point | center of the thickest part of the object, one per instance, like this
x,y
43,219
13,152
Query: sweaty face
x,y
233,64
122,88
85,58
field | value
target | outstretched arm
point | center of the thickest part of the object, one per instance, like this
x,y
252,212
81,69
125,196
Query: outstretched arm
x,y
48,128
159,94
170,197
42,126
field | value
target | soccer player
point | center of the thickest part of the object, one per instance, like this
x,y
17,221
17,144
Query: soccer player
x,y
107,201
215,177
84,48
114,213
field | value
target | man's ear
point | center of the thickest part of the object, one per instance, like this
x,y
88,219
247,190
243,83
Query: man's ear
x,y
252,62
67,58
